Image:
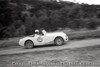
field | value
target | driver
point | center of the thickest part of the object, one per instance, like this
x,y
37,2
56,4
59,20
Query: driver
x,y
36,32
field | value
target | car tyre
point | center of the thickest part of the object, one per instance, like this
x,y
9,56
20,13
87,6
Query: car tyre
x,y
59,41
29,44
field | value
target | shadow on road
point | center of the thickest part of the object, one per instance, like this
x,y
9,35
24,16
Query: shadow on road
x,y
40,46
44,46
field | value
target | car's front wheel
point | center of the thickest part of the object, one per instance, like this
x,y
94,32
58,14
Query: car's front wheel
x,y
59,41
29,44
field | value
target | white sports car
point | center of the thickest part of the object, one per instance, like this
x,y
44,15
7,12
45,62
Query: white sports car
x,y
57,38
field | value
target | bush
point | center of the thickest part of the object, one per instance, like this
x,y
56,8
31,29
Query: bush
x,y
20,31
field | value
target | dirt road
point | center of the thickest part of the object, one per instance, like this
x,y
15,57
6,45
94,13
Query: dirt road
x,y
69,45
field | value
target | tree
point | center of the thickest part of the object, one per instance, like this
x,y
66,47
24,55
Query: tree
x,y
44,21
75,12
5,13
21,31
92,23
31,24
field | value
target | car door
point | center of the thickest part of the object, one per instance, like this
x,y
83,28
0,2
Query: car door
x,y
47,39
42,39
39,40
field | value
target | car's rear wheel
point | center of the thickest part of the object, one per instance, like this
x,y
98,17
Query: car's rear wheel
x,y
29,44
59,41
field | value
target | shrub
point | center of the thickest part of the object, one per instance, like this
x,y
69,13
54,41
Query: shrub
x,y
20,31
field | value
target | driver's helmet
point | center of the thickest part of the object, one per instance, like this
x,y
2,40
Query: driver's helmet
x,y
36,31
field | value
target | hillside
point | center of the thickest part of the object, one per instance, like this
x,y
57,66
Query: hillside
x,y
22,17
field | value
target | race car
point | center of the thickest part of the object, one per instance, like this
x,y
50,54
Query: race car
x,y
43,38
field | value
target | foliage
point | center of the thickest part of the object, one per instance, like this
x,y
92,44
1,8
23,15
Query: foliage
x,y
20,31
22,17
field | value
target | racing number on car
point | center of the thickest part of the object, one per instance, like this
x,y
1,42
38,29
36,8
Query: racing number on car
x,y
39,39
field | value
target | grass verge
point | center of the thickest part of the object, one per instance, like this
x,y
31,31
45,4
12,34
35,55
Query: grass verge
x,y
73,35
